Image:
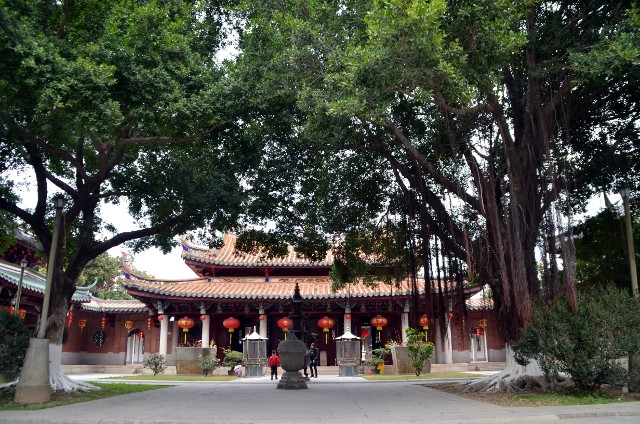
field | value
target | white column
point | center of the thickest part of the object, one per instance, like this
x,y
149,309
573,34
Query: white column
x,y
405,321
347,321
164,329
175,336
448,350
205,330
263,323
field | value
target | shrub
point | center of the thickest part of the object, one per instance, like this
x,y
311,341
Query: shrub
x,y
418,350
156,362
14,340
587,344
231,358
208,363
377,357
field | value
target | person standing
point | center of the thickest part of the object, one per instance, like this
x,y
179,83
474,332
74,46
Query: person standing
x,y
274,363
314,358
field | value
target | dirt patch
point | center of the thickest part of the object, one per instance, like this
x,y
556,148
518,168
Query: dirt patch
x,y
535,397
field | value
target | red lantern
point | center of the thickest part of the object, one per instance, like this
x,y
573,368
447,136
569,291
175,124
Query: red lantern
x,y
450,315
22,313
82,323
231,324
160,317
128,325
347,316
326,324
203,318
379,321
11,309
140,334
364,333
103,323
262,317
185,323
149,322
424,322
483,323
69,319
285,324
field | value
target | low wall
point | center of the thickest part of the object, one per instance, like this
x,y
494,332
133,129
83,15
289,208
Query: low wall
x,y
402,362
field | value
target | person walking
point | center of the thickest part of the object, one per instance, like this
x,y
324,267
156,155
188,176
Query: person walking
x,y
274,363
314,358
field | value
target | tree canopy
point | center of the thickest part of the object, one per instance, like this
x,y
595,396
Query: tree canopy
x,y
486,124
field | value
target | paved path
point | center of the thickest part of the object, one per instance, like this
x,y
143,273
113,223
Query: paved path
x,y
328,400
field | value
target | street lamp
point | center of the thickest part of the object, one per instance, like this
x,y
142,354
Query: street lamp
x,y
624,193
34,386
23,265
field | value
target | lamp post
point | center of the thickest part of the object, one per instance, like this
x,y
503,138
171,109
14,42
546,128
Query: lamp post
x,y
23,265
624,193
34,386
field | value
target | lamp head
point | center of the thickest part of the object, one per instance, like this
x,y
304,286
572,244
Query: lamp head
x,y
23,263
59,201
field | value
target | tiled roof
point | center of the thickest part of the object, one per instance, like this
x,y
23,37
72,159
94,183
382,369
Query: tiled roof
x,y
254,288
480,304
102,305
33,282
228,256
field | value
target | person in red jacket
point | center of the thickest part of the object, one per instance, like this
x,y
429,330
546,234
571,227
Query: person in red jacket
x,y
274,363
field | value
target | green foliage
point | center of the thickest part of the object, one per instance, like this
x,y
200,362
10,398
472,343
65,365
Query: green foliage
x,y
104,268
377,357
586,344
14,339
419,350
156,362
231,358
208,363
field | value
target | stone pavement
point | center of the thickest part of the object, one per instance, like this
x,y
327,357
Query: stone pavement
x,y
328,400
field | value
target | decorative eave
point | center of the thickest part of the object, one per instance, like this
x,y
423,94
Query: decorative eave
x,y
114,306
34,283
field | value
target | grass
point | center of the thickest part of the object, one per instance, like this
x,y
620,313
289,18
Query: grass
x,y
427,376
63,398
564,398
162,377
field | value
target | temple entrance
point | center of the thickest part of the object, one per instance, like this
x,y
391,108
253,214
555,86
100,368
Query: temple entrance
x,y
135,347
478,345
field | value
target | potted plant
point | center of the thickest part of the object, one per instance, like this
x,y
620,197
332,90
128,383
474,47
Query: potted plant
x,y
231,359
376,361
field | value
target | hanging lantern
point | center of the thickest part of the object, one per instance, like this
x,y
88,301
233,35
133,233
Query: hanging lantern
x,y
285,325
160,317
128,325
149,322
231,324
364,333
326,324
203,318
379,321
11,309
424,322
22,313
450,315
140,335
103,323
262,317
483,323
82,323
69,319
347,316
185,323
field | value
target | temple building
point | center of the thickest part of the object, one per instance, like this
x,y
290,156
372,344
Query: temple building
x,y
236,294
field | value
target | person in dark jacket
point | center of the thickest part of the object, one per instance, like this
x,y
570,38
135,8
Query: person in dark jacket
x,y
274,363
314,358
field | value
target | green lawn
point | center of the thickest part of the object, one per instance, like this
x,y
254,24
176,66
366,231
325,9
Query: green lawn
x,y
61,398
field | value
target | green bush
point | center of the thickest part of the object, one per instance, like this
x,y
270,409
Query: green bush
x,y
156,362
231,358
419,351
14,340
588,344
377,357
208,363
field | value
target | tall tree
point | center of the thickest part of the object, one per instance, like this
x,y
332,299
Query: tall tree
x,y
494,119
118,102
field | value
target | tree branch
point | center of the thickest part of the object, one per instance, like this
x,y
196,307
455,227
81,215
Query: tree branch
x,y
148,140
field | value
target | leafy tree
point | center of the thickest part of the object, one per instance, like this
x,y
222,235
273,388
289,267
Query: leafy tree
x,y
119,103
155,362
419,350
601,254
14,339
103,270
485,124
586,344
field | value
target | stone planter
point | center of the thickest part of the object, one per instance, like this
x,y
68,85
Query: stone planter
x,y
187,359
402,362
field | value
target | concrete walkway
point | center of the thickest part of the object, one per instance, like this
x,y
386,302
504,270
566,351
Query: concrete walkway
x,y
328,399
